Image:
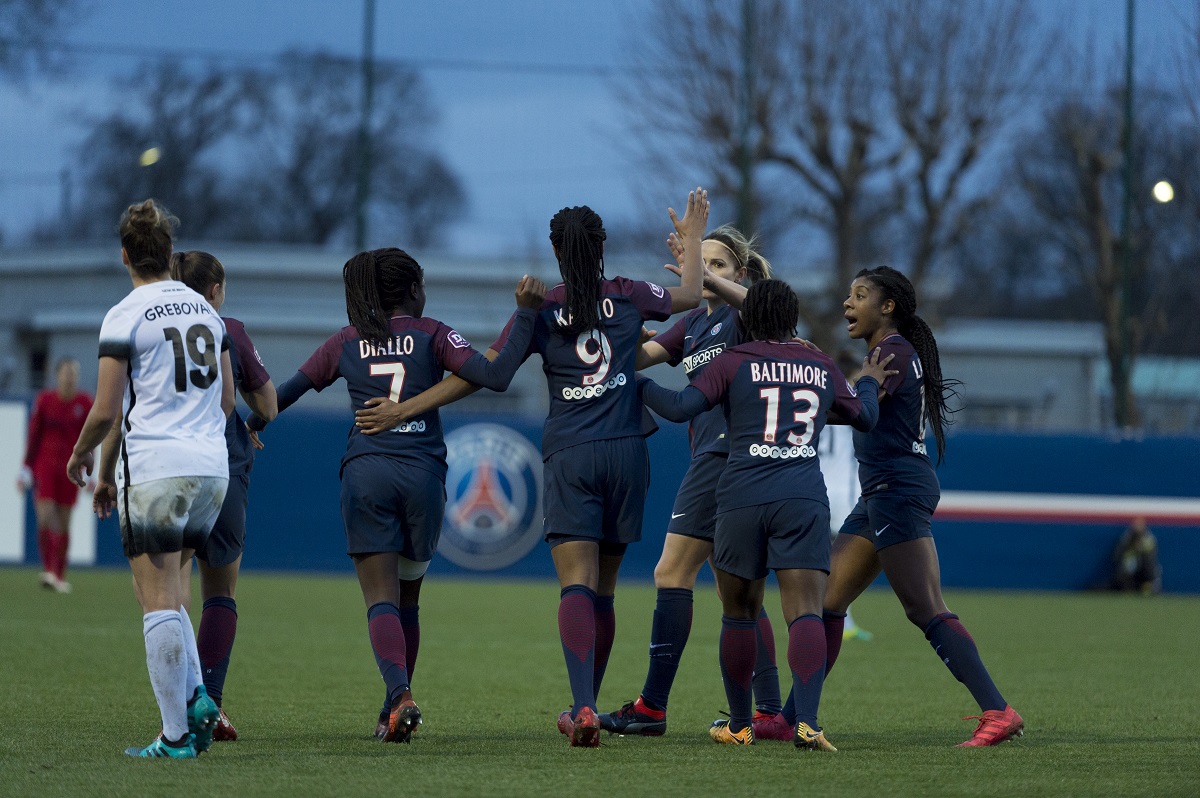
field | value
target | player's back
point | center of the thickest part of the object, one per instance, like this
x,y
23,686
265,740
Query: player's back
x,y
414,358
776,399
894,453
590,374
173,421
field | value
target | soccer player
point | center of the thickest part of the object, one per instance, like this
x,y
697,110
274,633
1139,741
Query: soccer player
x,y
166,375
890,527
394,484
596,469
57,418
772,510
221,556
694,341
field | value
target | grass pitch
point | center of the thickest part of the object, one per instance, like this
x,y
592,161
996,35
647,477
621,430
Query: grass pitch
x,y
1106,683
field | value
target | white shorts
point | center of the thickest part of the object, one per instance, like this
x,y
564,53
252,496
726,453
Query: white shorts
x,y
169,515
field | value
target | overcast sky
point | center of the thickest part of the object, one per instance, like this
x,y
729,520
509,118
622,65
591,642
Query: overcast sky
x,y
527,120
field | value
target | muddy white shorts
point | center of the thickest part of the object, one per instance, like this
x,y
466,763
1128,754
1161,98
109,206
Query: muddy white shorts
x,y
168,515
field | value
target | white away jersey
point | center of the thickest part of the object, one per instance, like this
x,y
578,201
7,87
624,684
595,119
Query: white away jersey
x,y
173,422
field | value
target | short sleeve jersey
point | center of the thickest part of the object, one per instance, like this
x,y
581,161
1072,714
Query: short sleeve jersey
x,y
894,454
54,426
590,375
173,422
413,359
694,341
775,395
249,374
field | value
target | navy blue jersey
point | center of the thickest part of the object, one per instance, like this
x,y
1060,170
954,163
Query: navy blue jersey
x,y
414,359
694,341
249,375
894,454
590,375
775,395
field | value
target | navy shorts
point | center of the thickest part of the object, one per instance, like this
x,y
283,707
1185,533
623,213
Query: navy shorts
x,y
792,533
597,491
228,538
695,510
390,506
886,520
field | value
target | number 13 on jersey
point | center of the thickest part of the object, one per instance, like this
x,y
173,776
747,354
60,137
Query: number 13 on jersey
x,y
805,417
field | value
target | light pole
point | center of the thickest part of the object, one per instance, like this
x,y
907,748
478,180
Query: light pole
x,y
1123,398
363,193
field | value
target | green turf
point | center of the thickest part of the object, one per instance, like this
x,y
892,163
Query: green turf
x,y
1107,685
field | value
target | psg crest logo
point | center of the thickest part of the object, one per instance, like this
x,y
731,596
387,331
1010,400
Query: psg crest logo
x,y
493,497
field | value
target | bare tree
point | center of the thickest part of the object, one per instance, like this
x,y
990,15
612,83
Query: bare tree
x,y
305,152
834,129
1071,173
162,143
957,73
27,32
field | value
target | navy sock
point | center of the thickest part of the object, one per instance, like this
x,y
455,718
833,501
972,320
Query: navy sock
x,y
835,624
387,641
214,643
577,631
410,622
668,636
606,632
739,649
806,658
766,673
952,642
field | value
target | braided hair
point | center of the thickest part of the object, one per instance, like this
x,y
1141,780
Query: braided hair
x,y
146,231
757,267
578,237
770,311
896,287
377,282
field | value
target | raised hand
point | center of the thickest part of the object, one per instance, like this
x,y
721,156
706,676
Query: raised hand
x,y
531,292
695,218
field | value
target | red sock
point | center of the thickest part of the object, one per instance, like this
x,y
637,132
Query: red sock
x,y
44,549
60,543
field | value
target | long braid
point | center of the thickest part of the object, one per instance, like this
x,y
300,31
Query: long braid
x,y
770,311
377,283
916,331
578,237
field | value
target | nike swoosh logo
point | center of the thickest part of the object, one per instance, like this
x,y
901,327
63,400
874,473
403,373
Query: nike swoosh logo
x,y
881,531
659,645
677,515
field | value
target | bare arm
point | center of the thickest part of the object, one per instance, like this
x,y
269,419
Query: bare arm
x,y
650,354
105,412
228,396
104,498
732,293
382,414
263,401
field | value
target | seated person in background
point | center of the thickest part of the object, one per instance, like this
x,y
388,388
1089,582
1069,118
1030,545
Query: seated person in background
x,y
1135,560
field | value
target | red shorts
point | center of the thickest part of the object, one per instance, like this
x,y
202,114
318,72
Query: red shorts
x,y
50,482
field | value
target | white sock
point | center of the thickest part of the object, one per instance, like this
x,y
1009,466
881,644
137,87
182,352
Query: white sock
x,y
194,678
165,659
